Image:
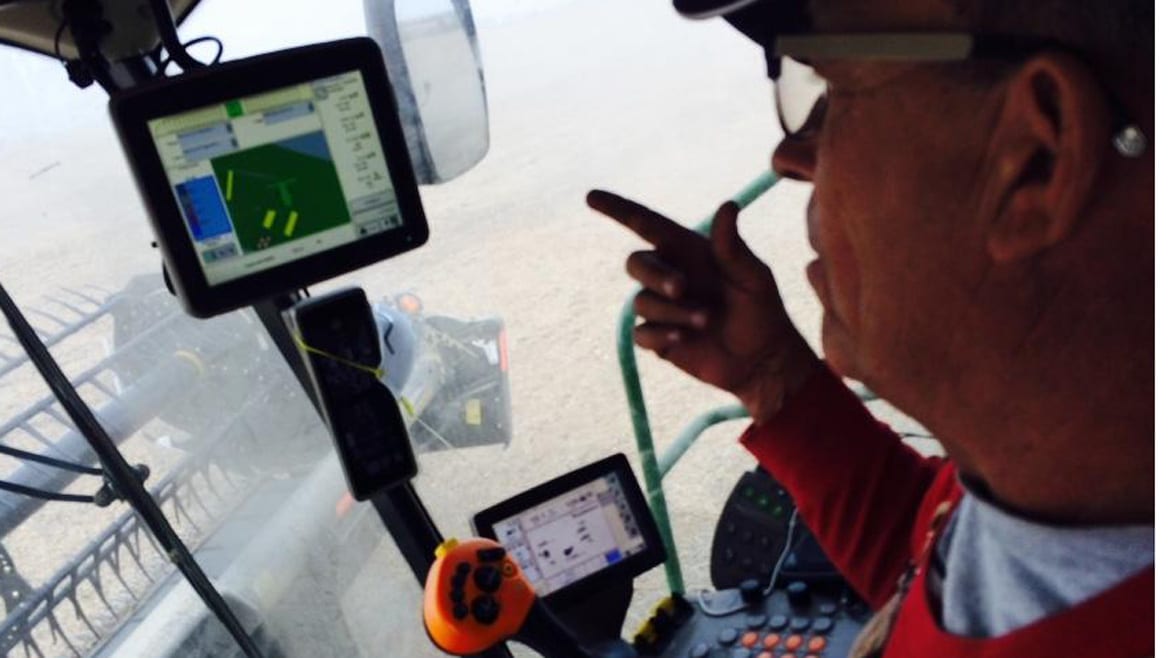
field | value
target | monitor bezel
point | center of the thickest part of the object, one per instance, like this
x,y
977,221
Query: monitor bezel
x,y
628,568
132,110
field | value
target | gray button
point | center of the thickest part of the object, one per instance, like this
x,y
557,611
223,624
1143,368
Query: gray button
x,y
777,622
822,625
700,650
756,621
800,624
741,653
728,636
828,609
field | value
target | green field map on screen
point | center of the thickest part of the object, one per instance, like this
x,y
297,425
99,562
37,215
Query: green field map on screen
x,y
281,192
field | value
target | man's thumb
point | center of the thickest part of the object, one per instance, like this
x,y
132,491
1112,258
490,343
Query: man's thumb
x,y
732,254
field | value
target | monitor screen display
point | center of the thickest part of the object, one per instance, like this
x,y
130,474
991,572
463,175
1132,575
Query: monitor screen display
x,y
573,535
268,179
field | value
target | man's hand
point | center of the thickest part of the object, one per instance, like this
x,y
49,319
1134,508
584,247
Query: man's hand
x,y
711,307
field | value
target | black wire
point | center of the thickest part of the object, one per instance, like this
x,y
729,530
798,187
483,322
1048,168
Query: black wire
x,y
215,40
50,461
42,494
164,62
165,22
122,477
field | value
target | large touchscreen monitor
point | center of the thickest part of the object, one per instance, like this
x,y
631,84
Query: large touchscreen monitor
x,y
268,174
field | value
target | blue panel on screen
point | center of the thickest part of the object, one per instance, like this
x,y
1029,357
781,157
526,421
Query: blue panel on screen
x,y
203,207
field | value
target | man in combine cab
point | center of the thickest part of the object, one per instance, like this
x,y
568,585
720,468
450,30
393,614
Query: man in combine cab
x,y
983,219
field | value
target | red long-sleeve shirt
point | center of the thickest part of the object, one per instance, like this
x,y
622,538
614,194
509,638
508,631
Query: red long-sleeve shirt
x,y
870,500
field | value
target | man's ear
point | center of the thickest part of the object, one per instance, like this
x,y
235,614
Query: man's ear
x,y
1051,137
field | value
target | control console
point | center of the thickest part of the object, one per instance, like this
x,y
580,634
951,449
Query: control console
x,y
794,622
760,535
563,545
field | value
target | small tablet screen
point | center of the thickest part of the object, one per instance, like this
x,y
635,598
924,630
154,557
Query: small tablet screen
x,y
268,179
574,535
579,534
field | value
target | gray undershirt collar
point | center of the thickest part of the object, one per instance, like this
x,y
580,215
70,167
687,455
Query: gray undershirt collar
x,y
998,572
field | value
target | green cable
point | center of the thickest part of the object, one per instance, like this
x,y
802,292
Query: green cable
x,y
645,441
652,471
688,436
746,197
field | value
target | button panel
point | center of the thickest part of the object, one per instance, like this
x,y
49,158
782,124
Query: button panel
x,y
753,531
825,628
750,533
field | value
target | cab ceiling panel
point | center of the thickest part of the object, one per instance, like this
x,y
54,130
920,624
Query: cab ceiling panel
x,y
34,25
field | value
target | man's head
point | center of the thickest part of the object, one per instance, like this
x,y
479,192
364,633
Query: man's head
x,y
985,249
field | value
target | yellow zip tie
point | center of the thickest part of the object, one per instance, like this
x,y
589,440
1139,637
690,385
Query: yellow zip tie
x,y
377,372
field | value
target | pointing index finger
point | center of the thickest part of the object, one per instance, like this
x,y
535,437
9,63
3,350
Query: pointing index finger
x,y
647,224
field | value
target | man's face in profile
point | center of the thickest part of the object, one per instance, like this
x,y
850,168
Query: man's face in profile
x,y
895,166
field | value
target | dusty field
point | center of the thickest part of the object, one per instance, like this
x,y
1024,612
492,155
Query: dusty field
x,y
605,93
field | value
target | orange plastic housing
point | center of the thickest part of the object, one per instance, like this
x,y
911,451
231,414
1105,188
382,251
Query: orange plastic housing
x,y
470,633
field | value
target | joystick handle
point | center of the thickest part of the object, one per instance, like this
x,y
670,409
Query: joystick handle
x,y
476,596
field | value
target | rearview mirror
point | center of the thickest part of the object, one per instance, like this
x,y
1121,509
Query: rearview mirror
x,y
432,54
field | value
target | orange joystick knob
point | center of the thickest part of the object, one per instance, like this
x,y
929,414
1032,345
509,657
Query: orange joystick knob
x,y
476,597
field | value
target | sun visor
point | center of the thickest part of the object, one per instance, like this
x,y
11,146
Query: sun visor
x,y
758,20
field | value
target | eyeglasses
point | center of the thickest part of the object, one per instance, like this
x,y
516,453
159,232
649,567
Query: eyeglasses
x,y
802,95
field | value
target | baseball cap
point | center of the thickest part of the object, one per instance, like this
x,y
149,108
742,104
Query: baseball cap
x,y
759,20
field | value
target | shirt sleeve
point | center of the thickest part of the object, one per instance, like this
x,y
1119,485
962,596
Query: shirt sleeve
x,y
858,487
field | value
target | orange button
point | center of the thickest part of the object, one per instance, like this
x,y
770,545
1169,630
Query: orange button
x,y
764,654
749,639
771,641
793,642
817,644
788,655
